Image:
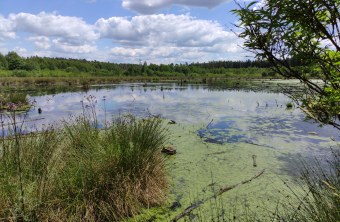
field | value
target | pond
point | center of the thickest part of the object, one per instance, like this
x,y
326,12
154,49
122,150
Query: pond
x,y
217,134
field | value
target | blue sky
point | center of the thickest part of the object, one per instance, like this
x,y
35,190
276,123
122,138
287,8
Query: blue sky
x,y
128,31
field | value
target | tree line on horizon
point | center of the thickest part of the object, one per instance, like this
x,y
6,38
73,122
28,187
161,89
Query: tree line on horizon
x,y
14,62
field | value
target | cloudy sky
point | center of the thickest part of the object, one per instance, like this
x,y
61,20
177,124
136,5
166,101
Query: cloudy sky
x,y
156,31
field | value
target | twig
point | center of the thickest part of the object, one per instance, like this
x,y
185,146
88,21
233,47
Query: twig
x,y
187,211
227,188
209,123
222,190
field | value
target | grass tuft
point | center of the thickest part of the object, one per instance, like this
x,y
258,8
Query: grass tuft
x,y
321,184
82,173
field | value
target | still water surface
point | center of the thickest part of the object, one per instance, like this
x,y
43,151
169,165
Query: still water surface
x,y
242,114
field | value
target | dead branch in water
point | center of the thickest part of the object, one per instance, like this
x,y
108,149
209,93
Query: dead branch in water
x,y
222,190
227,188
209,123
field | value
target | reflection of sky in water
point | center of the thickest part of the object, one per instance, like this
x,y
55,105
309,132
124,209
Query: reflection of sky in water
x,y
242,115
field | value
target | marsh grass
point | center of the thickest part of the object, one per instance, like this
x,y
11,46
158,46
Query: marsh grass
x,y
20,100
57,78
320,199
83,173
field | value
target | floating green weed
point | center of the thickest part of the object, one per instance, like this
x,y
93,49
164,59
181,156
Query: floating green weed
x,y
289,105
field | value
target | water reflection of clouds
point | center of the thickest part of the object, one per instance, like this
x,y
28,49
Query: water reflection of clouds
x,y
190,104
194,102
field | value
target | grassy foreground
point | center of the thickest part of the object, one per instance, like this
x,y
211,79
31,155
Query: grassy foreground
x,y
82,173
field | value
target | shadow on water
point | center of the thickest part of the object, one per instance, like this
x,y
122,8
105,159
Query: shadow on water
x,y
221,133
293,129
295,163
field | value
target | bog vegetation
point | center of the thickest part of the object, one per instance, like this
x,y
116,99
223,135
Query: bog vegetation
x,y
81,173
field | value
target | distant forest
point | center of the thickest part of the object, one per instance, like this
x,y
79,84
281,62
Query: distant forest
x,y
22,66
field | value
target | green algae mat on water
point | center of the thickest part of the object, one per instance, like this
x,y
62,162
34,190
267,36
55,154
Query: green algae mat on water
x,y
200,169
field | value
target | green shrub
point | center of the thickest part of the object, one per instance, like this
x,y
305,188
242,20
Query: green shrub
x,y
20,73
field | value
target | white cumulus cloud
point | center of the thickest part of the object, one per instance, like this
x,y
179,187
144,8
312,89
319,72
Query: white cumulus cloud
x,y
50,31
41,42
6,29
50,24
60,45
151,6
167,37
161,38
160,30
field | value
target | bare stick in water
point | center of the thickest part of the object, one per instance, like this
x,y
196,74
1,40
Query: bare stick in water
x,y
222,190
